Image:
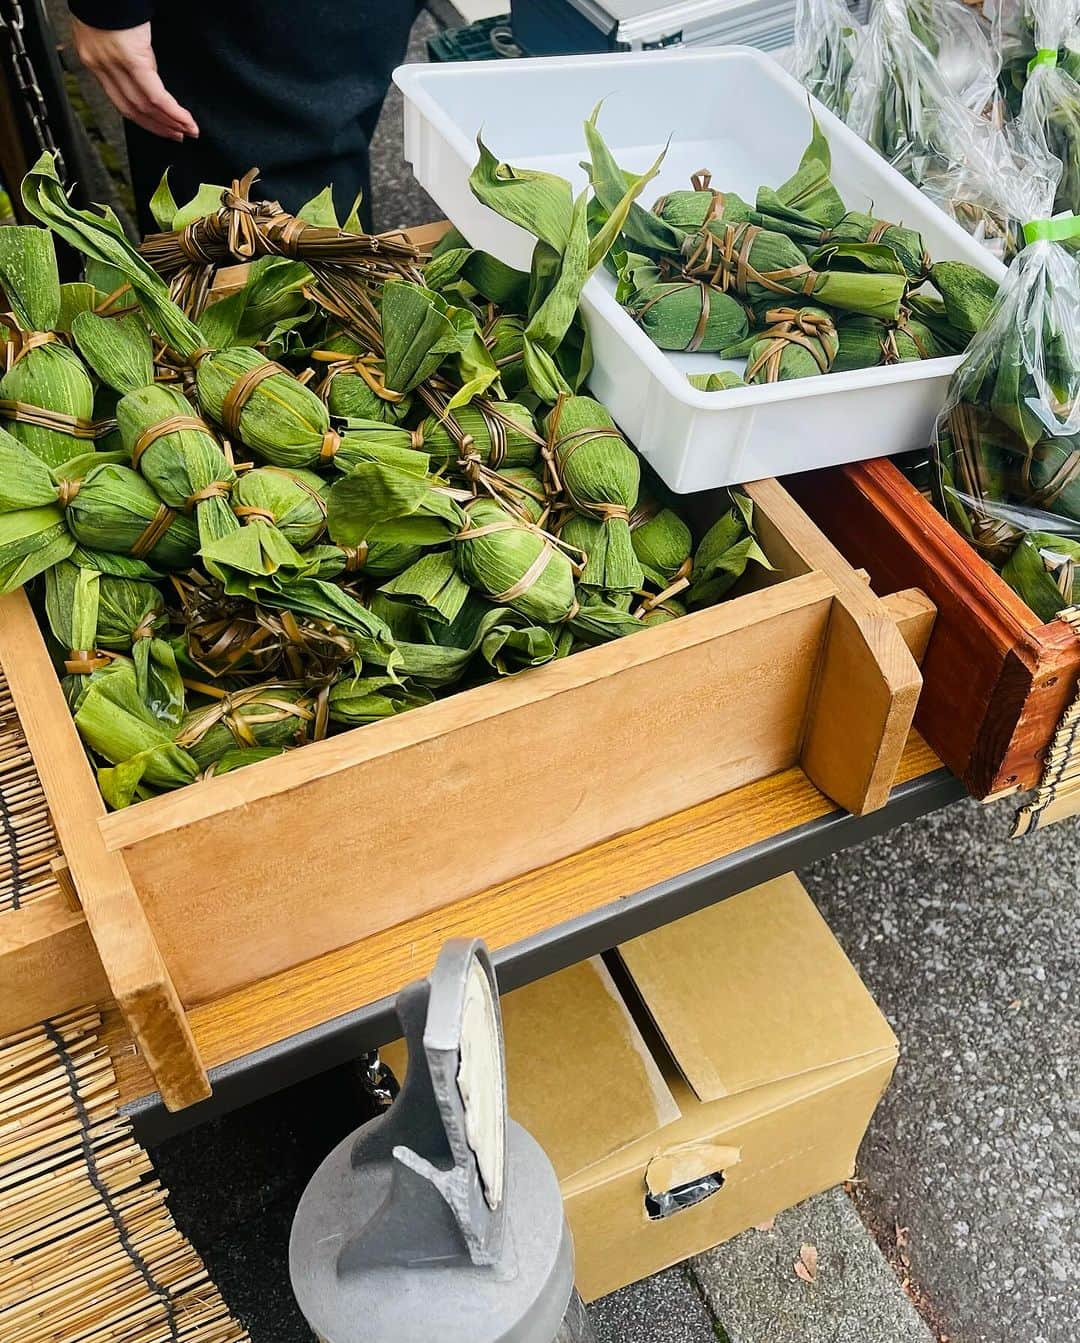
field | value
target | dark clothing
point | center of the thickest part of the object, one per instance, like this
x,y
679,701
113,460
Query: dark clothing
x,y
293,87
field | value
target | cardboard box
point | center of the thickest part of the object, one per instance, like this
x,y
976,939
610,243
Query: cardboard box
x,y
756,1068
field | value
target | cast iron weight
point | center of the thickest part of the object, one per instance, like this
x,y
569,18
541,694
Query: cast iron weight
x,y
442,1218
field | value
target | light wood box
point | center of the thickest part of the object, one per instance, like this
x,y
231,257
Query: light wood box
x,y
188,897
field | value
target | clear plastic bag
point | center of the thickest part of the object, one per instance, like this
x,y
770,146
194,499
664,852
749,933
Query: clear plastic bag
x,y
966,162
827,38
1007,445
985,176
1050,102
900,89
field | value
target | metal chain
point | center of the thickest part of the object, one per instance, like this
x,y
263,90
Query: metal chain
x,y
13,20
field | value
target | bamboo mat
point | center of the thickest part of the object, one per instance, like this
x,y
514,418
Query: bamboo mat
x,y
88,1250
28,843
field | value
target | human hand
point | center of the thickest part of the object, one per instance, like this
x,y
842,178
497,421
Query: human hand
x,y
122,61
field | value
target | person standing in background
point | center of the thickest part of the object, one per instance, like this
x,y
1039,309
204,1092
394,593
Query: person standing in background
x,y
210,88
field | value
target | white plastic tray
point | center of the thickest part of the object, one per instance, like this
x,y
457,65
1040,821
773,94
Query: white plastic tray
x,y
734,111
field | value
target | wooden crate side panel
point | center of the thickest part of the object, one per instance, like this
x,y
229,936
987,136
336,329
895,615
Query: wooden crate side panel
x,y
875,523
996,679
1038,681
868,681
306,995
246,891
48,963
138,976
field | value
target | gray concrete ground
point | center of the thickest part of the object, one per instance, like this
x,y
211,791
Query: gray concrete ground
x,y
847,1291
969,942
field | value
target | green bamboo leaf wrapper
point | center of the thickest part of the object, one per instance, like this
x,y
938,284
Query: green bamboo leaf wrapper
x,y
661,612
797,343
758,265
865,342
115,509
380,503
504,335
721,380
284,714
89,611
907,244
292,501
431,586
682,314
601,476
513,564
968,295
1043,571
116,725
44,372
356,700
353,384
498,433
521,491
662,542
724,554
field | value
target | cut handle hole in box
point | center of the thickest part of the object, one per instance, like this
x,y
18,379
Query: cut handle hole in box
x,y
681,1196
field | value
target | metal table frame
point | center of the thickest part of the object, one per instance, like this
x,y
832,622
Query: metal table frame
x,y
346,1037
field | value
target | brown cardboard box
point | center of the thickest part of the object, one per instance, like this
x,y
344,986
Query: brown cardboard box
x,y
760,1059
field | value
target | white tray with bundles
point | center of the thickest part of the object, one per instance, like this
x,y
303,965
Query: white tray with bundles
x,y
737,113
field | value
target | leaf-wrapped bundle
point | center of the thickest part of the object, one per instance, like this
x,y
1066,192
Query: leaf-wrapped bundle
x,y
866,342
115,509
682,314
356,700
906,243
756,264
1043,570
292,501
116,725
724,553
720,380
46,395
600,475
282,714
662,542
494,433
797,343
353,384
514,564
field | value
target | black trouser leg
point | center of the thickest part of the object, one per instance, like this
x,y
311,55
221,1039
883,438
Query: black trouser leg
x,y
293,87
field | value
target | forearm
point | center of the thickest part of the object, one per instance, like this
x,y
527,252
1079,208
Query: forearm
x,y
112,14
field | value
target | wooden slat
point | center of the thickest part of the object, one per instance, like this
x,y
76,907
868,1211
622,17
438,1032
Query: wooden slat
x,y
48,963
913,614
868,683
313,850
996,680
138,977
370,969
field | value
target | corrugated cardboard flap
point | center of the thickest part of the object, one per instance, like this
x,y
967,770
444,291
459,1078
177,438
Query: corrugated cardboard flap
x,y
580,1077
755,991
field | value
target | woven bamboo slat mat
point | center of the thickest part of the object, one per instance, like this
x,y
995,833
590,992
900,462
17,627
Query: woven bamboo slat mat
x,y
28,844
88,1250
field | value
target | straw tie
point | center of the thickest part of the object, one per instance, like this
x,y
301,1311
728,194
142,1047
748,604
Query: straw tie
x,y
792,326
239,394
172,424
66,490
727,263
152,533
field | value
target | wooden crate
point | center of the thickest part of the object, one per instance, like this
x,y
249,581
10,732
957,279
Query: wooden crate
x,y
997,678
192,897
